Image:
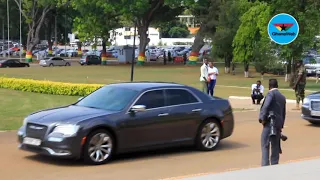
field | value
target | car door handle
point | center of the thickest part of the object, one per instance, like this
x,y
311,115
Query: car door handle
x,y
196,110
163,114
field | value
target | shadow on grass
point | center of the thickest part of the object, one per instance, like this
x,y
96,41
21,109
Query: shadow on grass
x,y
131,157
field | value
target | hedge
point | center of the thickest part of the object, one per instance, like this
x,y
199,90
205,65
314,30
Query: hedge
x,y
48,87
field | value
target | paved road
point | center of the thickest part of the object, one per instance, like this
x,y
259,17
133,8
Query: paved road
x,y
242,150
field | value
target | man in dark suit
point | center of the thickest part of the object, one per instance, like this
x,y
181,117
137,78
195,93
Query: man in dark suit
x,y
274,103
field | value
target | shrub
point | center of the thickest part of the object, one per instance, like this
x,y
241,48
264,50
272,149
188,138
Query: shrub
x,y
48,87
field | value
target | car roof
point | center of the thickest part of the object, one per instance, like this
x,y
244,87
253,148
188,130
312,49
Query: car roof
x,y
146,85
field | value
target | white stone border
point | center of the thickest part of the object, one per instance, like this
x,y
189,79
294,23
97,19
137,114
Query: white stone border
x,y
247,98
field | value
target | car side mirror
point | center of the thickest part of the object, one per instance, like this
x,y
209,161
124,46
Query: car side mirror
x,y
138,108
80,98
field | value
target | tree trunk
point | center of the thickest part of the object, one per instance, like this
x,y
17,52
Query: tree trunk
x,y
227,64
246,70
104,53
48,37
197,45
288,70
144,41
79,44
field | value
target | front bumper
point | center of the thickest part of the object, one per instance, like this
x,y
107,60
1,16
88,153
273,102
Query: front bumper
x,y
306,114
69,147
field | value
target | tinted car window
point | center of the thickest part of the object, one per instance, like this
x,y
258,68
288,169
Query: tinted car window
x,y
109,98
179,96
152,99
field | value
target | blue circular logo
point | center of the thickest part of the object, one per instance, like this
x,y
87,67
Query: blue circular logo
x,y
283,29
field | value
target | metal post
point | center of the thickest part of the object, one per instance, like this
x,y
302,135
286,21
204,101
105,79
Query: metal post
x,y
55,33
4,54
8,18
20,53
65,34
134,51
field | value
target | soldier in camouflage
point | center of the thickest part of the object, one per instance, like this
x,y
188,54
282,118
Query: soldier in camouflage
x,y
300,81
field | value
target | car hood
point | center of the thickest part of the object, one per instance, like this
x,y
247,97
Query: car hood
x,y
315,95
69,114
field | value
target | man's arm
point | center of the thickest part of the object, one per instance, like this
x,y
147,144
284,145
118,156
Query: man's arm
x,y
265,107
284,113
261,89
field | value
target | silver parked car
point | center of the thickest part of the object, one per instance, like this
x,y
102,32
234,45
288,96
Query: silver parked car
x,y
54,61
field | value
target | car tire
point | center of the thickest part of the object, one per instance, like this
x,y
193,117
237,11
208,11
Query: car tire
x,y
94,147
51,65
208,135
67,64
26,66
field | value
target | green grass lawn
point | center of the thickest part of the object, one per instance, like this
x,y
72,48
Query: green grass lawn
x,y
170,73
15,105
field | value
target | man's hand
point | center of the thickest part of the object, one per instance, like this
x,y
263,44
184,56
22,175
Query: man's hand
x,y
294,87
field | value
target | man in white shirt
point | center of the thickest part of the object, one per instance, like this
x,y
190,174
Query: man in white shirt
x,y
257,92
204,76
213,73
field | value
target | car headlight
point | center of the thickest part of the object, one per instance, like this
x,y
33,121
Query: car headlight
x,y
306,101
66,130
25,121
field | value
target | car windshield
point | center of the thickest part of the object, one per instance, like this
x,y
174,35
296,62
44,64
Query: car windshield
x,y
109,98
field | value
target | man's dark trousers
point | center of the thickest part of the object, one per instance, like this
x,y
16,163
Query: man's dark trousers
x,y
257,97
266,141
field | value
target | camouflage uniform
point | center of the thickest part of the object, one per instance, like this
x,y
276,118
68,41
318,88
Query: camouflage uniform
x,y
299,91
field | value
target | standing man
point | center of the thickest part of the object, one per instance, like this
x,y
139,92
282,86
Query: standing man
x,y
300,81
257,92
164,58
169,56
274,103
185,58
204,76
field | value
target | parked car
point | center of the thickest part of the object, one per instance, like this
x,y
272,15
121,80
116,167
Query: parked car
x,y
53,61
125,117
90,59
12,63
312,65
310,110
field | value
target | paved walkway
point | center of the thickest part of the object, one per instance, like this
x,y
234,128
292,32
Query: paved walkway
x,y
308,170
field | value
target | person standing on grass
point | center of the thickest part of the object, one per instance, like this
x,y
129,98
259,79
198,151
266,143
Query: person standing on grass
x,y
204,76
213,73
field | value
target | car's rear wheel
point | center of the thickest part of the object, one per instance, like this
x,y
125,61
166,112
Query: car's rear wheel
x,y
51,65
208,136
99,147
67,64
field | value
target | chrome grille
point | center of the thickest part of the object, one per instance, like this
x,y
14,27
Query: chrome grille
x,y
315,105
36,130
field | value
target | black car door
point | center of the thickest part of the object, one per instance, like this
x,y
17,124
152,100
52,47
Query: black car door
x,y
18,63
10,63
150,127
186,110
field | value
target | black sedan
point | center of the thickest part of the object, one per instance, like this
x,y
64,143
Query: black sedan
x,y
310,110
12,63
125,117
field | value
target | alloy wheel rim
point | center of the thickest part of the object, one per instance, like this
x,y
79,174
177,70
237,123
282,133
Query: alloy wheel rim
x,y
210,135
100,147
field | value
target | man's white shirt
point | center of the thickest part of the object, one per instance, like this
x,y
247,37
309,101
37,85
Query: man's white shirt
x,y
203,72
254,86
213,70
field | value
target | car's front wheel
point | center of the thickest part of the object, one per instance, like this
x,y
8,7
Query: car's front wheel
x,y
208,136
99,147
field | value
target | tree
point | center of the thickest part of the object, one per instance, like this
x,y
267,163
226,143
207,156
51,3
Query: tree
x,y
228,24
144,12
252,35
173,29
95,20
35,12
307,14
206,12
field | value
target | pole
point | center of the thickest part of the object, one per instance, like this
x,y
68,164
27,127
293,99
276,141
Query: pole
x,y
4,54
134,50
55,34
65,34
8,27
20,53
